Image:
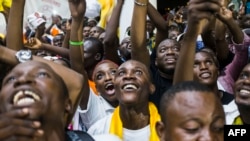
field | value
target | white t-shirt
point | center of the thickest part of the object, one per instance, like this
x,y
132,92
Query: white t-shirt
x,y
97,109
102,127
231,112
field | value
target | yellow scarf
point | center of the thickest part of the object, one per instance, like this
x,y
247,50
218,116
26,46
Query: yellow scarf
x,y
116,124
238,121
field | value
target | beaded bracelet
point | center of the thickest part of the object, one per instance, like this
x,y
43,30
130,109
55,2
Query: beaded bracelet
x,y
140,4
76,43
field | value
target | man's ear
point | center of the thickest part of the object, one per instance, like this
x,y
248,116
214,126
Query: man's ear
x,y
68,107
152,88
156,62
98,56
160,130
69,112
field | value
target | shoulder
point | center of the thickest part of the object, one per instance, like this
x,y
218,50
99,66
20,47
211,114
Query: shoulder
x,y
101,126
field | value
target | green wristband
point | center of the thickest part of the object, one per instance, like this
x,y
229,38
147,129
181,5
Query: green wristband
x,y
76,43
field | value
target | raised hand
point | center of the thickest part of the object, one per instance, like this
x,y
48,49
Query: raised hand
x,y
225,14
203,9
33,43
77,8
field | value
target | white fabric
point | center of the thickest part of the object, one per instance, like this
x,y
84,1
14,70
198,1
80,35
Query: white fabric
x,y
106,137
102,127
220,87
137,135
231,112
97,108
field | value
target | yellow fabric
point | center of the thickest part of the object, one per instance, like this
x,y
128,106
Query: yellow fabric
x,y
238,121
106,10
92,86
5,3
116,124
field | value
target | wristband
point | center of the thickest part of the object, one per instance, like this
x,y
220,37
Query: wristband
x,y
76,43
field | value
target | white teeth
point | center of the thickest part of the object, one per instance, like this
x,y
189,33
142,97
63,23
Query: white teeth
x,y
25,97
18,94
25,101
245,91
129,86
205,75
108,85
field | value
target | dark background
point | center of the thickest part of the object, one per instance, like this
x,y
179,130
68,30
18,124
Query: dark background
x,y
162,5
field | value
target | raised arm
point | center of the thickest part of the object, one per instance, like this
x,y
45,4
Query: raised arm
x,y
138,33
198,10
77,9
111,40
159,22
15,25
35,43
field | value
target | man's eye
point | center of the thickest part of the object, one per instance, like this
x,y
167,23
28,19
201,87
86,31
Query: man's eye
x,y
176,48
99,76
243,76
138,72
11,79
121,73
162,50
196,65
113,72
42,75
209,62
192,130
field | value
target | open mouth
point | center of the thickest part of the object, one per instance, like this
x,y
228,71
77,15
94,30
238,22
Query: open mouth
x,y
205,75
110,88
244,93
129,87
25,98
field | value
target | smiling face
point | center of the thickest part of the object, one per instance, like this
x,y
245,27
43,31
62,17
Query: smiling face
x,y
193,115
36,86
132,83
205,69
103,77
242,87
125,48
167,55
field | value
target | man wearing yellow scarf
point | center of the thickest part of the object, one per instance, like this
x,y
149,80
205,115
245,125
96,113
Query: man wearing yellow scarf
x,y
135,117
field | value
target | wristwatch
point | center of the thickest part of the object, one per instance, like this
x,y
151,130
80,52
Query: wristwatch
x,y
24,55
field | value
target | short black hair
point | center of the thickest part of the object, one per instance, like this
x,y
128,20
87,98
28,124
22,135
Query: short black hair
x,y
170,94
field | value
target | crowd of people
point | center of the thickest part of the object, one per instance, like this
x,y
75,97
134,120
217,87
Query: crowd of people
x,y
180,77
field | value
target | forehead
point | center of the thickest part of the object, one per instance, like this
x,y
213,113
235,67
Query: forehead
x,y
168,42
95,29
131,64
194,102
246,68
202,55
86,27
106,66
32,65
